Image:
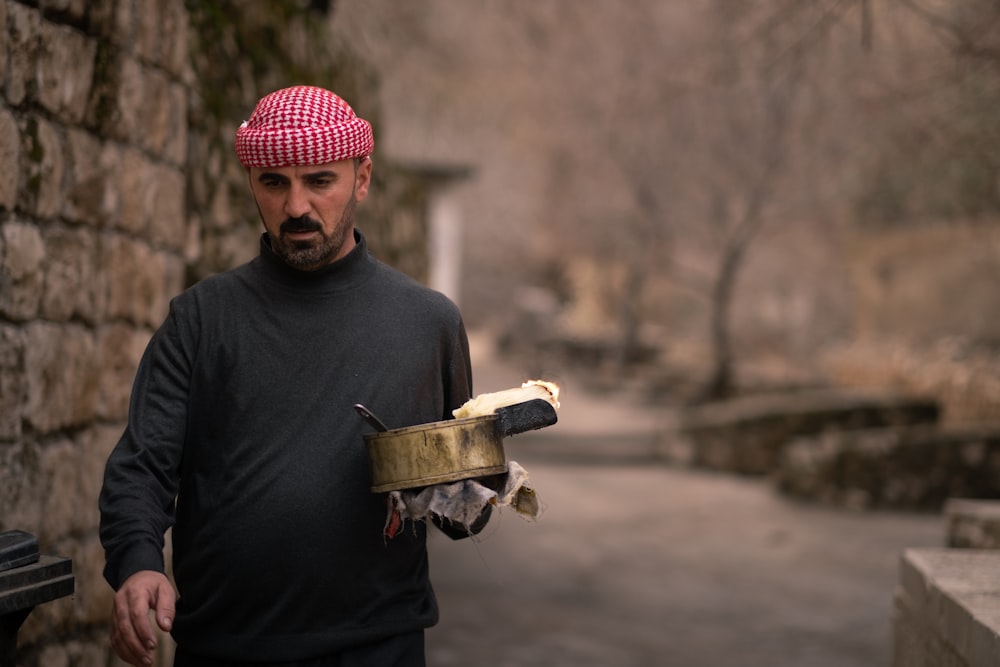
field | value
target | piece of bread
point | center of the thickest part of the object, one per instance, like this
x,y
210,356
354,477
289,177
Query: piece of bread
x,y
487,404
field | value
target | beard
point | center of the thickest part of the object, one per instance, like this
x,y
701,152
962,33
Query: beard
x,y
313,254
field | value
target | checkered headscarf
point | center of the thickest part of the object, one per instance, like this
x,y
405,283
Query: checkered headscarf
x,y
302,125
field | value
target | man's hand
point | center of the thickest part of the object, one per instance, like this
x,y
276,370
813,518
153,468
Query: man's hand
x,y
132,634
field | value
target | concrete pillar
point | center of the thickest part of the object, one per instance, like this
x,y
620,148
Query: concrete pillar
x,y
444,228
445,242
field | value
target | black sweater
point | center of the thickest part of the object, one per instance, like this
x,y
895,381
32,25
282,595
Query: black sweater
x,y
242,411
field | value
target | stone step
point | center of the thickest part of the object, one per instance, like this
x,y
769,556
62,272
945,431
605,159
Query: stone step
x,y
947,609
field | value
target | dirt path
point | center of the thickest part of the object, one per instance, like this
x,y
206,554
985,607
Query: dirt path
x,y
641,564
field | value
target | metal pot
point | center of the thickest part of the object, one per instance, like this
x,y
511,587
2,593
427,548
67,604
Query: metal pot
x,y
450,450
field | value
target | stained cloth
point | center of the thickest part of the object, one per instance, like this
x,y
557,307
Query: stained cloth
x,y
461,503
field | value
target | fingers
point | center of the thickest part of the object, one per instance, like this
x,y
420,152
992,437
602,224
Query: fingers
x,y
125,637
166,599
132,635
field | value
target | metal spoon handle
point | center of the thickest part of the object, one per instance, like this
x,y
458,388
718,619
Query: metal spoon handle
x,y
370,417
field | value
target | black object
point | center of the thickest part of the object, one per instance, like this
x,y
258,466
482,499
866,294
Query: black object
x,y
527,416
24,587
17,549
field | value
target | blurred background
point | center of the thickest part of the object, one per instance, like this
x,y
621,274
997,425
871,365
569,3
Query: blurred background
x,y
724,193
674,208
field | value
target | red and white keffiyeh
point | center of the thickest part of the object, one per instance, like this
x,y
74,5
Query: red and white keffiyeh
x,y
302,125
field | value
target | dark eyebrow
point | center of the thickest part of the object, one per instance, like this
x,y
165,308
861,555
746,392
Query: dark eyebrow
x,y
321,174
270,176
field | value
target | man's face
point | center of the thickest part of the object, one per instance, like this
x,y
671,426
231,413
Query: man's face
x,y
308,211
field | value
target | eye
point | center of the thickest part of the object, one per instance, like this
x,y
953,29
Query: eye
x,y
272,183
321,181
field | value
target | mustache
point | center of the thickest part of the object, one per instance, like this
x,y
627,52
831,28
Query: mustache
x,y
300,224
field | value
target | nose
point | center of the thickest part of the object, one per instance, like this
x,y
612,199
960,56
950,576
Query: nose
x,y
297,201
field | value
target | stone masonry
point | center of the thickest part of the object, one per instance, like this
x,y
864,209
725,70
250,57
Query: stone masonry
x,y
93,236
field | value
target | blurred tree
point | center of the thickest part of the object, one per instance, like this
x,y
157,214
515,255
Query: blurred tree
x,y
934,151
939,156
698,154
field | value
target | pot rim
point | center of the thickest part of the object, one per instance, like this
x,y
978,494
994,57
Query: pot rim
x,y
430,426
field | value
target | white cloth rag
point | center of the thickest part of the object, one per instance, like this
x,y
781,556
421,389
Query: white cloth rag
x,y
461,502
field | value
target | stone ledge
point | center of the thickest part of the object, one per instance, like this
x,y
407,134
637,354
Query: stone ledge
x,y
915,468
947,609
748,435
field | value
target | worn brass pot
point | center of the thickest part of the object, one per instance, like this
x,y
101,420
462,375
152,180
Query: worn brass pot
x,y
435,453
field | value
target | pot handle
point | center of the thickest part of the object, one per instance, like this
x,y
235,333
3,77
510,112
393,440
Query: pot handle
x,y
527,416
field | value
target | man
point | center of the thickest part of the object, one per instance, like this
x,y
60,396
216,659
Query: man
x,y
243,437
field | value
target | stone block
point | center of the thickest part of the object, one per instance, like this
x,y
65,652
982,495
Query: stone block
x,y
176,148
10,154
62,376
175,279
136,191
23,45
93,594
129,102
135,278
116,103
44,164
72,9
95,444
22,253
13,386
103,115
120,348
55,656
71,284
123,18
167,218
59,472
947,609
20,487
155,115
168,270
3,48
162,36
93,177
747,435
972,524
65,70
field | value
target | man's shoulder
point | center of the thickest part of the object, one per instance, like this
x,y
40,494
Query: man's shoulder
x,y
405,286
217,285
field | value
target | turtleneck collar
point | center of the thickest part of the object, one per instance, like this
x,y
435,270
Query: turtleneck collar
x,y
346,272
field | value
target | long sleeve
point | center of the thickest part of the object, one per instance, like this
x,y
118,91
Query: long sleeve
x,y
141,475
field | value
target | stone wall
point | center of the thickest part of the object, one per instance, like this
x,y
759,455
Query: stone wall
x,y
93,232
913,468
118,188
